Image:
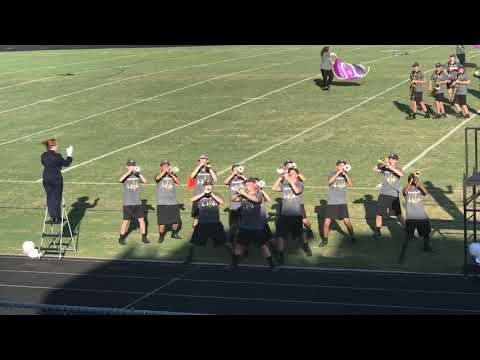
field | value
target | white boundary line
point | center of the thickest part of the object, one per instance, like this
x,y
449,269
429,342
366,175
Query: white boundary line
x,y
171,281
288,267
220,112
135,77
145,100
263,283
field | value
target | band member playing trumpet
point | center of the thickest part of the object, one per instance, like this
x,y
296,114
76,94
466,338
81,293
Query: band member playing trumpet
x,y
209,225
234,181
337,208
252,226
132,204
265,201
436,86
200,174
450,71
168,212
460,90
415,193
326,68
388,203
290,221
416,92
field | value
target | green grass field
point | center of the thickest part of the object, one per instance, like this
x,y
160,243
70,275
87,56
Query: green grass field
x,y
255,103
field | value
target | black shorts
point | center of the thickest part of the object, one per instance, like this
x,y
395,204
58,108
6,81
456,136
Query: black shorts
x,y
460,100
258,237
440,97
205,231
195,209
302,209
339,211
422,226
388,206
289,225
168,214
449,85
133,212
234,217
417,97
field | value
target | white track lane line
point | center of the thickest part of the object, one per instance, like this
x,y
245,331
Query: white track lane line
x,y
144,100
321,123
207,117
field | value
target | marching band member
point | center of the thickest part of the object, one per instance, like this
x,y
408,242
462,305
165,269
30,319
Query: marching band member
x,y
451,71
414,194
168,212
132,204
200,174
52,178
388,203
252,225
337,208
234,181
326,68
209,225
460,89
436,86
290,221
416,95
265,201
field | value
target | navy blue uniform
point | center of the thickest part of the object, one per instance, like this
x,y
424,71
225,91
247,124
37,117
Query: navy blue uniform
x,y
53,180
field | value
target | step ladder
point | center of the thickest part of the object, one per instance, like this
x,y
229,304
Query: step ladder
x,y
56,239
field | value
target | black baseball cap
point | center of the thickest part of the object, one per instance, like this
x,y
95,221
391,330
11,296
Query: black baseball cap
x,y
250,179
131,163
235,164
415,64
393,156
438,65
287,162
341,162
203,156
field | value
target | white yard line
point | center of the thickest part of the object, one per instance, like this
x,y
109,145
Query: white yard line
x,y
136,77
221,112
144,100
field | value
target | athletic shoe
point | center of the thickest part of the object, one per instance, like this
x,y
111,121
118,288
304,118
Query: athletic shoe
x,y
145,240
121,240
161,238
175,235
427,116
323,243
459,115
411,117
466,116
307,250
444,115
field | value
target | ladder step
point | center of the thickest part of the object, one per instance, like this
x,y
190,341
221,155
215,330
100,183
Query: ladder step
x,y
50,235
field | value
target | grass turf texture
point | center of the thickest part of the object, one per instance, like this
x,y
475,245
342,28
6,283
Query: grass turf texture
x,y
360,136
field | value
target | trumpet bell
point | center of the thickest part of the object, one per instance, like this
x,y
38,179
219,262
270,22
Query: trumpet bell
x,y
261,184
280,171
175,169
240,169
293,166
348,167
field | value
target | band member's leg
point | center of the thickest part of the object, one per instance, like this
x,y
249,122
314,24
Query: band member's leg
x,y
402,220
348,224
267,254
330,77
143,230
123,231
403,249
326,231
190,251
465,110
325,79
378,224
161,232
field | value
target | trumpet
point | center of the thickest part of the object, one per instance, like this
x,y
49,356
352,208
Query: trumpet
x,y
240,169
416,173
413,85
261,184
240,187
347,167
293,166
382,162
174,170
137,169
455,87
280,171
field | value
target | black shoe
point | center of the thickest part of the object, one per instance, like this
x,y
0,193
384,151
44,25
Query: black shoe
x,y
427,116
307,250
188,260
161,238
121,240
466,116
53,221
444,115
323,243
175,235
145,240
436,116
411,117
459,115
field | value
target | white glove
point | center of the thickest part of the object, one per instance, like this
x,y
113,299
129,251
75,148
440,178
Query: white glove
x,y
70,151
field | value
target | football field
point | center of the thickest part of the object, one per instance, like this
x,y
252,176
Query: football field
x,y
258,105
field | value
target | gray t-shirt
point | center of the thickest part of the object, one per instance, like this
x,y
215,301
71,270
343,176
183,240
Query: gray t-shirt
x,y
291,202
251,213
414,204
234,186
208,211
452,69
390,184
460,49
439,77
462,89
202,175
418,76
337,193
131,191
326,64
166,191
